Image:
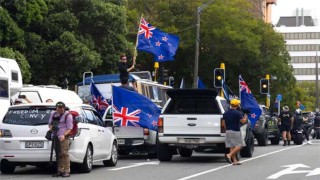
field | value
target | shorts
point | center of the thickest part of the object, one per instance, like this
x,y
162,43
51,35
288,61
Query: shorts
x,y
285,127
233,139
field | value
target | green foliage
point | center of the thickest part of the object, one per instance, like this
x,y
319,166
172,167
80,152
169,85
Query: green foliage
x,y
21,60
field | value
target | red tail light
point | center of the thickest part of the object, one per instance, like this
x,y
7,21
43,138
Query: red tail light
x,y
145,131
222,127
160,125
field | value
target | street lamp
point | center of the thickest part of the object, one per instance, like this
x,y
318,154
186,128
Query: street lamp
x,y
196,60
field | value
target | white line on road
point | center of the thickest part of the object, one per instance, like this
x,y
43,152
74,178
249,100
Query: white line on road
x,y
135,165
250,159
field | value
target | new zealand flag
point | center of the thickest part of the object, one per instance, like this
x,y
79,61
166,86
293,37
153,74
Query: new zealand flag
x,y
249,102
134,109
162,45
98,101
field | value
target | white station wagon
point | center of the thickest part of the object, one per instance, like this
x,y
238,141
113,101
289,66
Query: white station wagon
x,y
23,142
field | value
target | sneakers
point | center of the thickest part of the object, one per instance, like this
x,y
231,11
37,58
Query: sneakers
x,y
309,142
65,174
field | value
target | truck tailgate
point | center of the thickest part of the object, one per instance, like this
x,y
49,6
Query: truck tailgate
x,y
129,132
188,124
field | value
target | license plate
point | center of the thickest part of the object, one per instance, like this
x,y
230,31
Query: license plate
x,y
121,141
192,141
34,144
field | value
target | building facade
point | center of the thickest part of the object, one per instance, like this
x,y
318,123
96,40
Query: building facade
x,y
302,36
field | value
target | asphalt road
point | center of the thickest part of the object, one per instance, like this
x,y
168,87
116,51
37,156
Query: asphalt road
x,y
269,162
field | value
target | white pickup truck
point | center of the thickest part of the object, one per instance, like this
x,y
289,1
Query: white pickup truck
x,y
191,120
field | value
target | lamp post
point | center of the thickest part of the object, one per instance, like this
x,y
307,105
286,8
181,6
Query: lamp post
x,y
196,60
317,84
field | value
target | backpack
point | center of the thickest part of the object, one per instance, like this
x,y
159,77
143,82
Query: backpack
x,y
74,129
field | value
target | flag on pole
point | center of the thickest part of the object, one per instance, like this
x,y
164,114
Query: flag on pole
x,y
249,102
97,100
228,94
133,109
162,45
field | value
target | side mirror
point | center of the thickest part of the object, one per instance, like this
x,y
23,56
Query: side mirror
x,y
108,123
80,119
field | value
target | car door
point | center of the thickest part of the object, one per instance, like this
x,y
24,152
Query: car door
x,y
104,136
94,131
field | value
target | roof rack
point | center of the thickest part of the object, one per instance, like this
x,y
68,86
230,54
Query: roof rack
x,y
42,86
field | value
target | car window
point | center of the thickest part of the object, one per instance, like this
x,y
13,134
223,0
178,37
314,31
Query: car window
x,y
29,116
98,119
193,106
90,116
225,105
4,90
33,96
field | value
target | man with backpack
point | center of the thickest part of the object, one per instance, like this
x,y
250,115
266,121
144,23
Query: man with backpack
x,y
61,123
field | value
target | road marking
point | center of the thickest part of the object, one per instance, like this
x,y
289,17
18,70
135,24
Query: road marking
x,y
290,169
136,165
250,159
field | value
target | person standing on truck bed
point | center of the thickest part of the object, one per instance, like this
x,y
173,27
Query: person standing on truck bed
x,y
231,121
123,67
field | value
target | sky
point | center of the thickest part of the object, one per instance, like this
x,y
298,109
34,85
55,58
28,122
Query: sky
x,y
288,8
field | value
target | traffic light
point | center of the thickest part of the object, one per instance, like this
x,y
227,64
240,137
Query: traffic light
x,y
264,86
165,75
219,76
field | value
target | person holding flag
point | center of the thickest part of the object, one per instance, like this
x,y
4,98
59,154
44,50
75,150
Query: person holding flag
x,y
231,121
123,67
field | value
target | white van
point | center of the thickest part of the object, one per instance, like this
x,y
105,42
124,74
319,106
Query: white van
x,y
39,94
10,82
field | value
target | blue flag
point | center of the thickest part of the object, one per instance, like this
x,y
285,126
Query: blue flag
x,y
134,109
162,45
97,100
200,84
249,102
228,94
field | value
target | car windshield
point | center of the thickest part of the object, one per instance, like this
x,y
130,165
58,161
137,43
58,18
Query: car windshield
x,y
28,116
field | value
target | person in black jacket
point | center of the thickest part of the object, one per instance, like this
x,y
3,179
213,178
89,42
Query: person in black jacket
x,y
123,67
298,121
286,125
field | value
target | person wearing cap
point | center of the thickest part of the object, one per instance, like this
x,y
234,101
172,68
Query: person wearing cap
x,y
231,121
65,126
286,120
123,67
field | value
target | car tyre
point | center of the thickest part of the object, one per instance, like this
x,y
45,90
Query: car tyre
x,y
298,140
114,156
276,139
87,164
247,151
185,152
263,138
7,167
163,152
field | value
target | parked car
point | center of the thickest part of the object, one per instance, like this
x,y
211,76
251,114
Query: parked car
x,y
260,129
191,120
23,142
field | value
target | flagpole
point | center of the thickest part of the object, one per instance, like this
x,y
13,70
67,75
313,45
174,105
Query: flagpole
x,y
239,87
135,53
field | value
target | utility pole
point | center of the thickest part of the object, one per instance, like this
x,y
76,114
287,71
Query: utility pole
x,y
317,84
196,60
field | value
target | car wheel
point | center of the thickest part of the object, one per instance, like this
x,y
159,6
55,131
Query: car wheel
x,y
276,139
263,138
7,167
298,140
114,156
87,164
164,152
185,152
247,151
